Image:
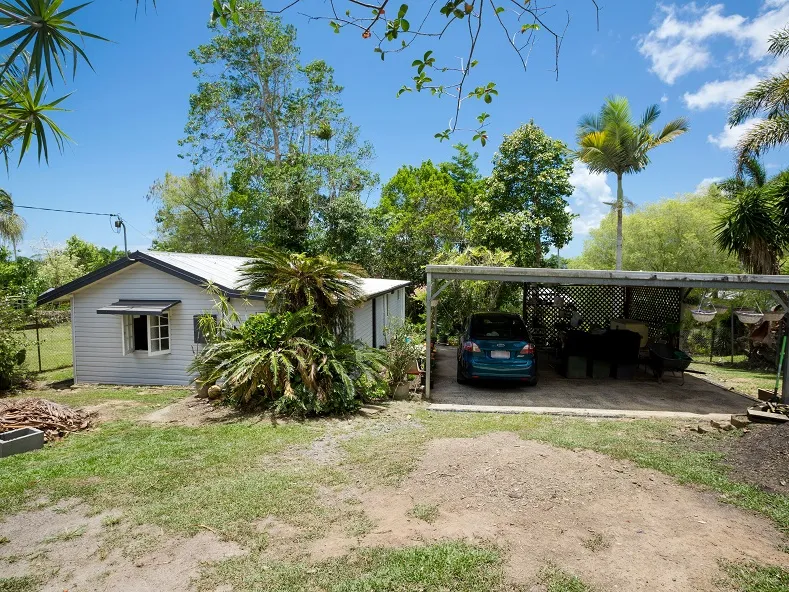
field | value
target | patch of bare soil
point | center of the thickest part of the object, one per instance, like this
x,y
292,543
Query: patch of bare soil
x,y
761,457
194,412
70,549
615,525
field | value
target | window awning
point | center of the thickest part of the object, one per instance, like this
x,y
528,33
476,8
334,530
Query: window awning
x,y
138,307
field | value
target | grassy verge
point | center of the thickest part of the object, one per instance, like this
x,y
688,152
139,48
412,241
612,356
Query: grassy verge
x,y
751,577
555,579
740,379
26,584
455,566
179,478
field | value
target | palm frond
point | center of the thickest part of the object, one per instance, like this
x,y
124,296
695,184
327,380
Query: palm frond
x,y
761,137
770,96
778,44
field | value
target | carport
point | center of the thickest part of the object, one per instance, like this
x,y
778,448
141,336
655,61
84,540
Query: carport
x,y
651,297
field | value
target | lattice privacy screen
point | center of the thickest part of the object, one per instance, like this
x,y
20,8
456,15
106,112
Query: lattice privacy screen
x,y
549,307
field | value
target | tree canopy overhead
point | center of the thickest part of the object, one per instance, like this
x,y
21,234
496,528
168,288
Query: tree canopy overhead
x,y
410,27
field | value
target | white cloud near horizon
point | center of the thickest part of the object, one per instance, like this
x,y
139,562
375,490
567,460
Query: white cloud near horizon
x,y
706,182
680,42
588,199
719,92
729,137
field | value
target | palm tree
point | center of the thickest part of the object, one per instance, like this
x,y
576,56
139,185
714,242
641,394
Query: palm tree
x,y
12,225
611,142
295,281
769,98
753,225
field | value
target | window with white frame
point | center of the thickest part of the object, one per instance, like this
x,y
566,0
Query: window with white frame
x,y
149,333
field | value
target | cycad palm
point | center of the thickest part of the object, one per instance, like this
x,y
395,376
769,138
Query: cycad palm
x,y
296,281
753,226
611,142
12,225
769,98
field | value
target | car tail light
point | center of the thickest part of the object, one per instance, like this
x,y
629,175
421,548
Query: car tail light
x,y
527,350
470,346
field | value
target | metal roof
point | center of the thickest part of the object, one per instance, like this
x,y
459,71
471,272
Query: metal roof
x,y
592,277
222,271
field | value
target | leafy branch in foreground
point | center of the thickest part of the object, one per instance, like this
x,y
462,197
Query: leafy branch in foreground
x,y
394,30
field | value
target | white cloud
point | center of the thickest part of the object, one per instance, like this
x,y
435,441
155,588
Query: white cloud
x,y
719,92
588,199
706,182
680,42
729,137
664,99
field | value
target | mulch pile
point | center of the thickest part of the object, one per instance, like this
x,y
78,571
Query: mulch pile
x,y
53,419
761,457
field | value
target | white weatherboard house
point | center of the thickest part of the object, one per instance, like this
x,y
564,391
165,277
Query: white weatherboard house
x,y
135,321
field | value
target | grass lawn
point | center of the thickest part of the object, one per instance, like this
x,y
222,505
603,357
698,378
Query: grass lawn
x,y
56,348
225,476
739,379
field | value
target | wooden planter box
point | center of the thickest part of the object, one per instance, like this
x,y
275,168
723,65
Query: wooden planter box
x,y
21,440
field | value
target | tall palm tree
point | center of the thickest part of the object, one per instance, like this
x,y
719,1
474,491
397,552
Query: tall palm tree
x,y
295,281
753,225
12,225
770,99
611,142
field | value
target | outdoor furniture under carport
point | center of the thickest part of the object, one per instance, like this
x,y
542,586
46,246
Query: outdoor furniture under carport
x,y
656,298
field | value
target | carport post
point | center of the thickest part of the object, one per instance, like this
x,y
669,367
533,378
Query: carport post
x,y
428,331
781,298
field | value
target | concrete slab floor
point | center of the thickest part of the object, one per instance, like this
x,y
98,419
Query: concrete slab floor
x,y
644,393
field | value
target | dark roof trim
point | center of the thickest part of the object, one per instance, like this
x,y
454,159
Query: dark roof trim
x,y
138,307
139,257
85,280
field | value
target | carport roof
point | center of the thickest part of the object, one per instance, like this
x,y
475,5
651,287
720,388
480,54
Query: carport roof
x,y
598,277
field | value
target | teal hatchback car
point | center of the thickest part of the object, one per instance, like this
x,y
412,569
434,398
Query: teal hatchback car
x,y
496,345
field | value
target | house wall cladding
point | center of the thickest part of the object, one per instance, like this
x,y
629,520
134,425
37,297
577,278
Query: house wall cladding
x,y
98,356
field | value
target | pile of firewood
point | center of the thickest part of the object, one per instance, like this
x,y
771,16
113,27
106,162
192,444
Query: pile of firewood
x,y
53,419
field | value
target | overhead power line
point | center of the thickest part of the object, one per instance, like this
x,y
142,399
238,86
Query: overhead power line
x,y
64,211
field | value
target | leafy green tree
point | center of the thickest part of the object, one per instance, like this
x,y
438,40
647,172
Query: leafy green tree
x,y
90,257
195,214
675,234
345,231
769,98
418,216
279,125
12,225
611,142
754,224
19,277
57,268
524,209
468,182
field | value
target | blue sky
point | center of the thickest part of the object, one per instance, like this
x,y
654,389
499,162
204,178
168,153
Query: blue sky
x,y
126,117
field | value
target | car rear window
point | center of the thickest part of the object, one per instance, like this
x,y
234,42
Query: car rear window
x,y
498,326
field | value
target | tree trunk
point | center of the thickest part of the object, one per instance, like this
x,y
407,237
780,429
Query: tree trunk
x,y
620,206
